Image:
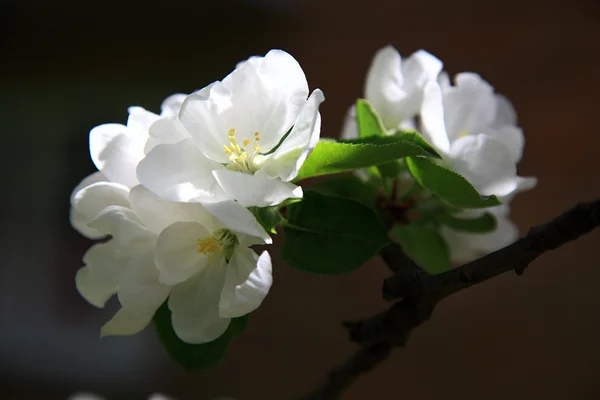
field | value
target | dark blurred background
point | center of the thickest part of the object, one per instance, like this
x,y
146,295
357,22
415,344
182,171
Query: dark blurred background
x,y
69,66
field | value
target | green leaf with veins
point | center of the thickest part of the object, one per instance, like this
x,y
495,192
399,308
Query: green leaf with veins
x,y
330,234
369,123
331,157
448,185
425,246
350,186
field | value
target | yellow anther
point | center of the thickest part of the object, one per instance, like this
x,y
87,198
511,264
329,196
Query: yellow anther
x,y
241,157
208,246
463,134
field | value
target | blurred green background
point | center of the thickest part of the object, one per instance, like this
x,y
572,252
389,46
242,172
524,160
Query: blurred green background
x,y
68,66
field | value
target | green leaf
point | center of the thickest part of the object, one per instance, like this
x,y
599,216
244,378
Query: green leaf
x,y
268,217
350,186
369,123
331,234
482,224
425,246
195,357
391,169
330,157
448,185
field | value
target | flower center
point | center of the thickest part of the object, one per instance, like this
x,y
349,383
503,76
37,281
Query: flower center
x,y
209,246
220,241
463,134
240,157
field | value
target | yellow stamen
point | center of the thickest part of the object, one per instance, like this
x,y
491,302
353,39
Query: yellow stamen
x,y
208,246
241,158
463,134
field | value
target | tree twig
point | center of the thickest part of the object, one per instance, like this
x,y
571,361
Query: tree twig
x,y
421,292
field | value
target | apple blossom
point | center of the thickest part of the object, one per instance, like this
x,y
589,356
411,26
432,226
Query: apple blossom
x,y
163,249
394,87
475,131
243,138
116,150
467,246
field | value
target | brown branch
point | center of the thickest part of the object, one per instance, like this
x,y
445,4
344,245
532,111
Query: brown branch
x,y
421,292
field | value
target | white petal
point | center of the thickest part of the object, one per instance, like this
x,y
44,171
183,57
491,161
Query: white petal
x,y
512,137
247,283
98,280
505,112
523,184
124,323
384,87
486,163
194,306
394,86
87,181
88,202
198,116
139,121
350,128
239,219
418,69
171,105
526,183
444,81
140,292
116,150
125,227
157,213
264,94
289,157
180,172
469,107
256,190
432,118
176,255
93,290
459,244
506,233
166,130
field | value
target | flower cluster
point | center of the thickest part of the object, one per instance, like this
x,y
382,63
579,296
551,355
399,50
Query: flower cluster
x,y
184,195
467,123
173,193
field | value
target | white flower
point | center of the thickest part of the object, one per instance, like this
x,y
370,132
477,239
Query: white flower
x,y
161,248
466,246
228,141
394,87
131,265
116,151
475,131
